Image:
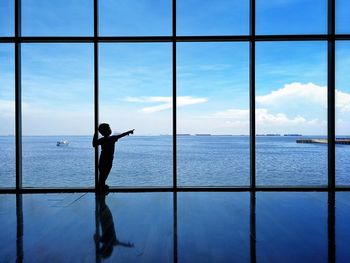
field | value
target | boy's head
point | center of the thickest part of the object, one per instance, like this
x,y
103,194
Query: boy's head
x,y
104,129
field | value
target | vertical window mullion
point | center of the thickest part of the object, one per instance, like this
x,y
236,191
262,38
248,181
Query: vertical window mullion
x,y
96,87
174,95
252,95
18,95
331,94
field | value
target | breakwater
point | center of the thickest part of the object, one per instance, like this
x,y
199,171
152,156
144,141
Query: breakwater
x,y
324,141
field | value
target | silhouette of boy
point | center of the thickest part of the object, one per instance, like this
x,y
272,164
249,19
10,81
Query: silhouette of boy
x,y
108,239
107,143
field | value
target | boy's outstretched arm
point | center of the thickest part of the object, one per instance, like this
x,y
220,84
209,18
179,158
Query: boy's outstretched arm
x,y
116,137
124,244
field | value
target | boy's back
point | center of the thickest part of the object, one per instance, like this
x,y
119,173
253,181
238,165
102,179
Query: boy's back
x,y
107,143
108,146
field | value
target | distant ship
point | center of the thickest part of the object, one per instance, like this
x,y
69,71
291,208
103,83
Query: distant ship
x,y
62,143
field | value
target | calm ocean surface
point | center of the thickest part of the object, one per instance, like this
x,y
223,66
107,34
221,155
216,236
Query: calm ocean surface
x,y
147,161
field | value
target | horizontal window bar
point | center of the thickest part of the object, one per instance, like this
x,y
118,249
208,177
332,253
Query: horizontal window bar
x,y
146,39
170,189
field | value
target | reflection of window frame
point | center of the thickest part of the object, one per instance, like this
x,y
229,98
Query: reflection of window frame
x,y
253,233
331,37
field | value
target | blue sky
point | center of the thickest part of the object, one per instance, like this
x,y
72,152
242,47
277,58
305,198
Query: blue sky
x,y
136,79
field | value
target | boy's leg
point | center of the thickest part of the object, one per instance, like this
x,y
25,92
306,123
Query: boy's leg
x,y
104,172
101,179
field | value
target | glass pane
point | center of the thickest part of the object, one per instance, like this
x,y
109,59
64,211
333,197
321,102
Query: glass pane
x,y
135,93
8,228
57,97
59,227
213,227
135,17
291,17
342,236
213,114
7,20
342,16
7,116
120,227
57,18
221,17
342,113
291,227
291,105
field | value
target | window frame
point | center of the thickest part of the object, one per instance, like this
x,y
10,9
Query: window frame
x,y
331,37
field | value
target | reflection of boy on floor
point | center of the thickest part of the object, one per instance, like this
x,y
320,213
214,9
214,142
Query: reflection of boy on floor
x,y
107,143
109,237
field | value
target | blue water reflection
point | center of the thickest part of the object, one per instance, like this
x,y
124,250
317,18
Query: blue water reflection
x,y
176,227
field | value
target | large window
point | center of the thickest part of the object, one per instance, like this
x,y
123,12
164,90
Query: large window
x,y
343,17
8,227
290,17
135,93
57,106
342,100
220,17
194,220
135,18
7,116
298,211
57,18
220,93
213,114
291,104
7,18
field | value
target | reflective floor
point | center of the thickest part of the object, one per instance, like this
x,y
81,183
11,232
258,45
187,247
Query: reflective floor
x,y
182,227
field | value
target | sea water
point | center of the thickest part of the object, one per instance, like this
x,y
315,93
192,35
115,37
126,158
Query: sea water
x,y
148,161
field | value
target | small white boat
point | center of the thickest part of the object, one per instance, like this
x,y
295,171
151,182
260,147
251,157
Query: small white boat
x,y
62,143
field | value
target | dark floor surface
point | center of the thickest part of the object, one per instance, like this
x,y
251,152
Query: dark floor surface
x,y
182,227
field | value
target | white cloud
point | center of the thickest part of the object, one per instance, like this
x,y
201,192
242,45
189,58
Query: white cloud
x,y
125,119
187,100
268,122
342,101
156,108
149,99
7,117
303,95
232,114
263,116
7,107
273,115
166,102
294,92
44,120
